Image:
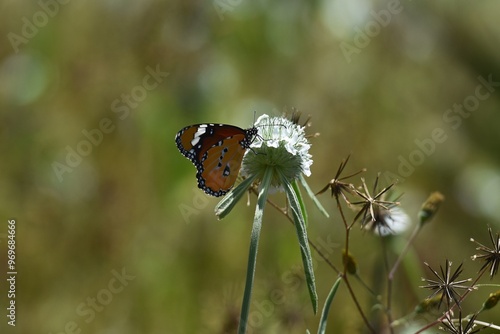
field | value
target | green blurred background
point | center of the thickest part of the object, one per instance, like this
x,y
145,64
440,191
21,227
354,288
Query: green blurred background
x,y
375,77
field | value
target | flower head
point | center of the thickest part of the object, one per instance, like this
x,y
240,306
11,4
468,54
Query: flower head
x,y
491,256
456,327
387,222
371,206
337,185
280,145
446,284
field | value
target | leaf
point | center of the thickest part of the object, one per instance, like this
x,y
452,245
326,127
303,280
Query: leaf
x,y
225,206
303,241
301,202
326,307
312,196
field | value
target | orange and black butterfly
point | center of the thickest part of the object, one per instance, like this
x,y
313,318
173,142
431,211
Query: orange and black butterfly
x,y
216,150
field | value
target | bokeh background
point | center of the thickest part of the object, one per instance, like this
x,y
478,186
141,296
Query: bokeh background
x,y
375,77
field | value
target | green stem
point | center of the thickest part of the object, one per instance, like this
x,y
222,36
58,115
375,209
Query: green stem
x,y
254,244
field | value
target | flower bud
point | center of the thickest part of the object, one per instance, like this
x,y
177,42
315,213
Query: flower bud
x,y
492,300
430,207
349,263
428,304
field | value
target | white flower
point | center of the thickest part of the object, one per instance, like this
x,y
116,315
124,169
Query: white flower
x,y
281,145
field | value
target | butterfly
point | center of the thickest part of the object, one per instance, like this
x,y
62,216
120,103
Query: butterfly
x,y
216,150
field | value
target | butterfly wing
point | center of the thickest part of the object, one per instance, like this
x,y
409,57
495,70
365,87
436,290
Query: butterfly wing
x,y
220,166
216,150
194,140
